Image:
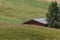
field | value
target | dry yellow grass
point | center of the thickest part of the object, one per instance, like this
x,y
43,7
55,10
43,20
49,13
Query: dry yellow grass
x,y
53,0
50,1
10,31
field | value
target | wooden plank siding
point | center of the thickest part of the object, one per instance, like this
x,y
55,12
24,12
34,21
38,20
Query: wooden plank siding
x,y
33,22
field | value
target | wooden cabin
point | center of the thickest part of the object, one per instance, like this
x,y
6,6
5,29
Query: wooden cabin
x,y
38,21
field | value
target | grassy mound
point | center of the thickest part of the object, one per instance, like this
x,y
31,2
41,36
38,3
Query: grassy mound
x,y
25,32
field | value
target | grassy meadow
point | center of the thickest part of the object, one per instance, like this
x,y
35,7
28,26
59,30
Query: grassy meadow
x,y
22,10
15,12
27,32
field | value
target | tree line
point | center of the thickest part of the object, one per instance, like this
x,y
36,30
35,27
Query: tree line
x,y
53,15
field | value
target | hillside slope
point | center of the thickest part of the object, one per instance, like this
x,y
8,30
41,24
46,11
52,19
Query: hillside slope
x,y
25,32
18,11
21,10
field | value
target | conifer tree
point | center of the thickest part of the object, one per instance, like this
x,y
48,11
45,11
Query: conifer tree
x,y
52,15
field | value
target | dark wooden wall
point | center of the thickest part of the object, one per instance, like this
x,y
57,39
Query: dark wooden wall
x,y
32,22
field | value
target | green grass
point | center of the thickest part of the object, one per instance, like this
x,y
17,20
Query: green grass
x,y
22,9
14,12
19,32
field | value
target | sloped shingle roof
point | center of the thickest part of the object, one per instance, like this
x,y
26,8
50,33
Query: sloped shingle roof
x,y
41,20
